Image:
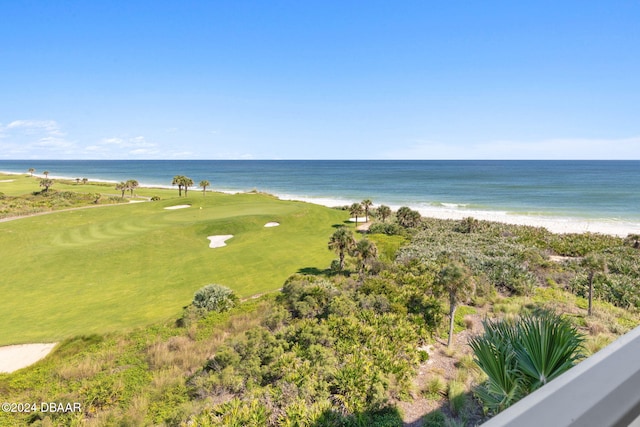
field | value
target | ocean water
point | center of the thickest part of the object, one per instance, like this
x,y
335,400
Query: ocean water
x,y
606,192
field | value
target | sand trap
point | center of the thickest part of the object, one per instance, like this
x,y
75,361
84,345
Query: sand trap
x,y
272,224
360,219
6,180
14,357
178,207
219,241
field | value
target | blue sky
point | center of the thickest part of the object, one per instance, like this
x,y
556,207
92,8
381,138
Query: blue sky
x,y
320,80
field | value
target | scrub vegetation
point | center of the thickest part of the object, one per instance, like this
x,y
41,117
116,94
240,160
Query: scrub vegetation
x,y
355,333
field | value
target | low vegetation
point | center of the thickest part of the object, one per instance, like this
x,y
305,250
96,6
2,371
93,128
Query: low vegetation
x,y
357,341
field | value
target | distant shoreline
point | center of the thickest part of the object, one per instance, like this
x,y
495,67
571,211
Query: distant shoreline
x,y
555,224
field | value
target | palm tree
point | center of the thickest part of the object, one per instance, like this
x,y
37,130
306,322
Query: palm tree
x,y
366,204
366,252
342,242
407,217
187,182
594,263
178,180
31,171
85,180
77,180
121,186
132,184
46,174
455,280
46,183
356,210
522,356
204,184
384,212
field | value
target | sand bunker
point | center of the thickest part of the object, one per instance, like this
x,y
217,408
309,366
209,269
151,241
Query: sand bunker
x,y
6,180
219,241
178,207
14,357
272,224
360,219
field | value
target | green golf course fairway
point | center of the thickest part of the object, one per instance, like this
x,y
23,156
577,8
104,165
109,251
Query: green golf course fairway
x,y
115,267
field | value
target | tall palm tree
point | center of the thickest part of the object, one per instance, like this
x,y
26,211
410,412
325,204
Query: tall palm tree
x,y
178,180
132,184
187,182
455,280
342,242
85,180
366,204
31,171
356,210
366,252
594,264
121,186
204,184
384,212
46,174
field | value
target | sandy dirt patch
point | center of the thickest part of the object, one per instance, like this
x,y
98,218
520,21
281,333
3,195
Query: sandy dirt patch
x,y
6,180
219,241
14,357
360,219
272,224
178,207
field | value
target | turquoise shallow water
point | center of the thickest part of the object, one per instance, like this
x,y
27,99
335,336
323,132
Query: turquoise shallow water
x,y
574,189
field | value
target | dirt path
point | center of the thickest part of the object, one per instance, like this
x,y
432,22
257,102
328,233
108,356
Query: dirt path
x,y
442,363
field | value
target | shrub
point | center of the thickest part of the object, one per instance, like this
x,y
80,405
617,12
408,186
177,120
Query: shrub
x,y
520,357
214,298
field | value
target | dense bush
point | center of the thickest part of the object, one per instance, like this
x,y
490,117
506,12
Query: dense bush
x,y
214,298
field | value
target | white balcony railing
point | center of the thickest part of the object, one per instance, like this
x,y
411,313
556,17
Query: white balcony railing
x,y
601,391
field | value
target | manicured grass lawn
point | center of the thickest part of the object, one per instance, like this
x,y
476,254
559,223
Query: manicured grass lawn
x,y
122,266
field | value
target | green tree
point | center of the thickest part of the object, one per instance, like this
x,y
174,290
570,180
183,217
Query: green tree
x,y
204,184
121,186
186,182
85,180
594,263
132,184
31,171
179,181
46,183
356,210
456,281
366,204
342,242
77,180
384,212
407,217
365,252
522,356
46,174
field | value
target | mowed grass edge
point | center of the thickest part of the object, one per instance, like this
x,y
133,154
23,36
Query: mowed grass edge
x,y
122,266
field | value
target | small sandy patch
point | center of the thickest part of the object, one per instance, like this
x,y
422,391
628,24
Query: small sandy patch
x,y
6,180
138,201
219,241
14,357
178,207
272,224
360,219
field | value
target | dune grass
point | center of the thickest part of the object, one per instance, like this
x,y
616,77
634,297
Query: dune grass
x,y
121,266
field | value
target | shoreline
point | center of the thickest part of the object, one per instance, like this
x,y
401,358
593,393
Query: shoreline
x,y
555,224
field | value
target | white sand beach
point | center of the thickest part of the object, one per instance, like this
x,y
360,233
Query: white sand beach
x,y
14,357
219,241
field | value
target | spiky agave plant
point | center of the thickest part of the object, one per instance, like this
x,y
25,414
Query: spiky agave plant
x,y
523,355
